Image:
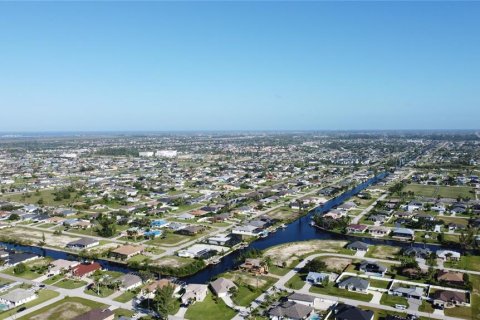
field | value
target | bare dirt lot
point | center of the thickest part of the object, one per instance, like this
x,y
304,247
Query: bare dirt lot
x,y
36,236
292,251
336,264
64,311
171,261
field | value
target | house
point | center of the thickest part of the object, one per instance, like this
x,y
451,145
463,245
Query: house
x,y
191,230
358,246
254,266
149,290
159,223
403,234
194,293
17,297
222,239
348,312
96,314
152,234
200,250
186,216
448,255
450,277
129,281
60,265
304,299
127,251
20,257
247,230
378,231
408,292
354,284
417,252
85,269
357,228
222,287
373,268
315,277
290,310
83,243
449,299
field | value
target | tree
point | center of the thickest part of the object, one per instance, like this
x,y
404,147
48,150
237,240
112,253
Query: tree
x,y
164,302
14,217
20,268
315,265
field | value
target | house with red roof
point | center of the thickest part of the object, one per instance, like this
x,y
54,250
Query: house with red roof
x,y
85,269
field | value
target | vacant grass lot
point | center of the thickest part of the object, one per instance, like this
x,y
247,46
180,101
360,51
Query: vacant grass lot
x,y
382,252
466,263
296,282
389,300
334,291
65,309
442,191
70,284
210,309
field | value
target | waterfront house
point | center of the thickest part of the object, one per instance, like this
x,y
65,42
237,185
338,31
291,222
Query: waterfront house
x,y
85,269
417,252
129,281
255,266
15,258
358,246
357,228
403,234
127,251
194,293
222,287
60,265
83,243
448,255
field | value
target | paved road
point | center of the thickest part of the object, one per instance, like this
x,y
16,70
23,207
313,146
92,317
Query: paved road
x,y
357,218
281,284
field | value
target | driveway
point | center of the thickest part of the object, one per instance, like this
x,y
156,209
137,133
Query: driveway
x,y
413,304
376,296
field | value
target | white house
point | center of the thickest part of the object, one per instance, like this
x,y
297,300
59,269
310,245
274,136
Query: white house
x,y
17,297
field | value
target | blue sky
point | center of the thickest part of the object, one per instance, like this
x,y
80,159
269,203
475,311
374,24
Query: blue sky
x,y
239,66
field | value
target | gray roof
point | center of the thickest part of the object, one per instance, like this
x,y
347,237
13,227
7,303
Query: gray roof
x,y
222,285
129,280
355,282
301,297
416,291
82,242
358,245
17,295
291,310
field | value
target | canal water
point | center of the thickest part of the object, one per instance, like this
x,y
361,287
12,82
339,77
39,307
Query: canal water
x,y
298,230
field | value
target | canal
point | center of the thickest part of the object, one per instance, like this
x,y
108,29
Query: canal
x,y
298,230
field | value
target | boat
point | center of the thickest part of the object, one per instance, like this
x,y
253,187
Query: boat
x,y
215,261
264,234
283,226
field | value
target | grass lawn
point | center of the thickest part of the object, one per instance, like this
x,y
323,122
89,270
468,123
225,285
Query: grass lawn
x,y
65,309
442,191
381,314
426,307
379,283
279,271
170,239
296,282
126,296
138,258
389,300
460,221
382,252
461,312
53,279
70,284
43,295
25,275
123,312
334,291
103,291
245,295
209,309
466,263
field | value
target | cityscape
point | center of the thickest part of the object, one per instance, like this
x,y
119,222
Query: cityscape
x,y
239,160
